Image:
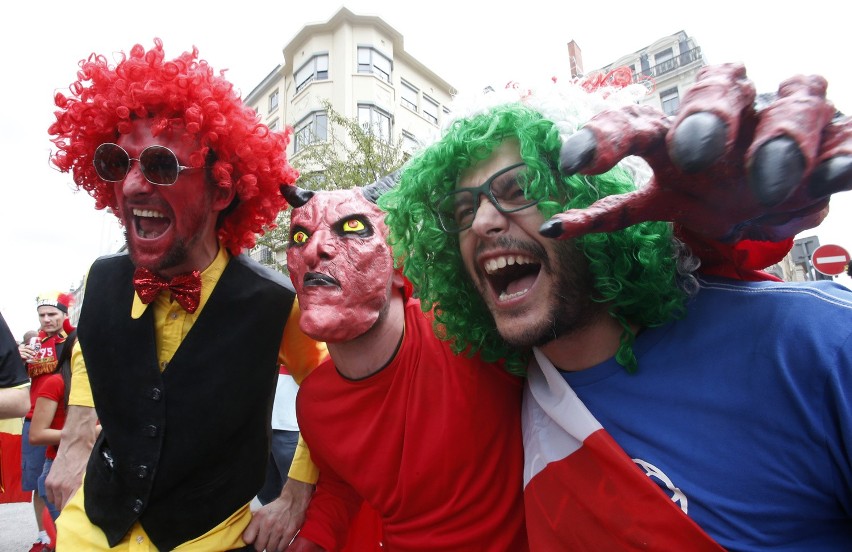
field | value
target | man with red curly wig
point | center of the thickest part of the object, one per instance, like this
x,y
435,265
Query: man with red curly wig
x,y
180,337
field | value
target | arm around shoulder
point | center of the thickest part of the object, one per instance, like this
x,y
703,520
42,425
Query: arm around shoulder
x,y
78,436
302,468
298,352
75,446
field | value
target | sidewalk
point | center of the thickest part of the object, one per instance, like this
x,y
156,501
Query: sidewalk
x,y
17,527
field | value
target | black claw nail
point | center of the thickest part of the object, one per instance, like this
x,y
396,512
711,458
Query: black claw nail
x,y
577,151
831,176
698,142
776,170
551,229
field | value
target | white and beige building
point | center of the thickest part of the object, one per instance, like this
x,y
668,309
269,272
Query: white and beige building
x,y
359,65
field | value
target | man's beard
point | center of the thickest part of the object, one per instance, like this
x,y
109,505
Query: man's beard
x,y
180,250
175,256
571,308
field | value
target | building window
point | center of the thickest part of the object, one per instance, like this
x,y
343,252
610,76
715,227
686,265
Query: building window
x,y
670,100
409,96
273,101
315,69
371,61
664,61
375,121
313,128
262,254
274,124
430,109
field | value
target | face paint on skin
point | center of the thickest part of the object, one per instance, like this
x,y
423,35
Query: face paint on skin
x,y
340,264
169,229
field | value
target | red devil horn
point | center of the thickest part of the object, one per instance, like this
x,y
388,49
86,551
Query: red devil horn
x,y
375,190
296,196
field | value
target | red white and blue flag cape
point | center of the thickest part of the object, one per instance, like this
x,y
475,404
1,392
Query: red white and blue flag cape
x,y
581,490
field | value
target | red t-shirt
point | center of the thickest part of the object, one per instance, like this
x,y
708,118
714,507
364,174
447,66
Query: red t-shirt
x,y
432,442
52,387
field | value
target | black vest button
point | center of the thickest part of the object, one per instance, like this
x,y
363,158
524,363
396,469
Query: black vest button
x,y
156,394
142,472
137,506
150,430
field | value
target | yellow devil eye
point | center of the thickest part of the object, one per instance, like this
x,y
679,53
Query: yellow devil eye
x,y
353,225
300,237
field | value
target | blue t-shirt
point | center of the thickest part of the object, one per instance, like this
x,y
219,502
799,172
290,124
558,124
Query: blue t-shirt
x,y
742,411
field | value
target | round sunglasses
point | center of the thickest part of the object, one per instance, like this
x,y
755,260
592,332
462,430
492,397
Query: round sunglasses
x,y
159,164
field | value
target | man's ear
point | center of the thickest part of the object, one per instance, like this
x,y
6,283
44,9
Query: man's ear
x,y
223,196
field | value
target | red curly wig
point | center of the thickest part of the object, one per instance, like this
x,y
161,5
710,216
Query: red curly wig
x,y
184,94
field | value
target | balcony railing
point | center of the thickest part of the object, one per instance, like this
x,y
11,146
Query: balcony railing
x,y
681,60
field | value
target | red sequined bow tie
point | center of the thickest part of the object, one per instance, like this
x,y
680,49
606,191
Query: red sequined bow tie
x,y
185,288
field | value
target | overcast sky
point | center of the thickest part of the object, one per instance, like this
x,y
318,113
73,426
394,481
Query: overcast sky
x,y
51,233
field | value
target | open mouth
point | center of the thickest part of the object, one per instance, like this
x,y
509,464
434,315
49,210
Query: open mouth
x,y
511,276
150,224
317,279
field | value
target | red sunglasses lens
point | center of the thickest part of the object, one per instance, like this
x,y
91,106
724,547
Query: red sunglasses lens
x,y
159,165
111,162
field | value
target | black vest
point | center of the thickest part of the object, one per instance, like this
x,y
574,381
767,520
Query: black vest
x,y
184,449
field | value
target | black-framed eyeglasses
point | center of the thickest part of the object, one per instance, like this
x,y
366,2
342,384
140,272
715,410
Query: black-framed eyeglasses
x,y
159,164
457,209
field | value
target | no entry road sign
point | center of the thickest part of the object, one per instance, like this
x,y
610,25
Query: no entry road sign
x,y
830,260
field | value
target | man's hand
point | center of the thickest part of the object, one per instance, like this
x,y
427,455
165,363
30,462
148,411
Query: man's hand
x,y
27,353
75,446
273,526
723,169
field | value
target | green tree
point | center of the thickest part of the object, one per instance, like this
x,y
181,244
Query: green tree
x,y
352,155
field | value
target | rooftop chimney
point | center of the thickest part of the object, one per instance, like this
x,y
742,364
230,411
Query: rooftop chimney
x,y
575,58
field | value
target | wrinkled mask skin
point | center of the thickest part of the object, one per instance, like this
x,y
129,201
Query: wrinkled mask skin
x,y
340,264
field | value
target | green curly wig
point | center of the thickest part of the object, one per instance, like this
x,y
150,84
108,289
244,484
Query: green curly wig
x,y
635,270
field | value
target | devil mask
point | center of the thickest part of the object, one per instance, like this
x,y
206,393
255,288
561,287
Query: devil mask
x,y
340,263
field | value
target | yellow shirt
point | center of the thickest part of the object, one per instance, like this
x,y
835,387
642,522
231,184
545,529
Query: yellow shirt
x,y
171,325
